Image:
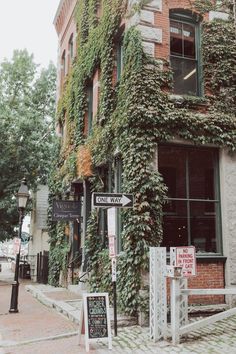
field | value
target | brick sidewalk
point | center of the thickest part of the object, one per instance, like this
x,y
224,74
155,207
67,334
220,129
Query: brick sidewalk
x,y
37,329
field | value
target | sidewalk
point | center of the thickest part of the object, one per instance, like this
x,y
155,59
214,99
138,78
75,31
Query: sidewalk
x,y
48,322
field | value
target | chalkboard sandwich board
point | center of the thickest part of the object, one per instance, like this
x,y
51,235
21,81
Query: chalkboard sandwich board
x,y
95,318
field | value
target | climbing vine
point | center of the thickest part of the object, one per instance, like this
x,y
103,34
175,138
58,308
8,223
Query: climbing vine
x,y
133,117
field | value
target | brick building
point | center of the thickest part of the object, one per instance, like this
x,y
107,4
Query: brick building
x,y
194,160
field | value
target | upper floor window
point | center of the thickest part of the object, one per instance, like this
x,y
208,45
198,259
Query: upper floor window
x,y
184,53
119,60
90,108
71,47
63,64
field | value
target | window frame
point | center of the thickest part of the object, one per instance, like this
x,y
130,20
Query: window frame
x,y
188,200
185,17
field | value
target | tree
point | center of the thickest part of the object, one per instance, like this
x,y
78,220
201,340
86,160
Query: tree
x,y
27,107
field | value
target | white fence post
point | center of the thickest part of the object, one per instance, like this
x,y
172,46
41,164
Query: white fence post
x,y
175,309
183,318
158,297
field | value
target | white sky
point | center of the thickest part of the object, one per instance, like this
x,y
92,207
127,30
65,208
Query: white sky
x,y
29,24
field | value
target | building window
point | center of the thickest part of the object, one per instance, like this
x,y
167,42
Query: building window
x,y
119,60
71,48
61,130
90,108
63,64
192,213
184,53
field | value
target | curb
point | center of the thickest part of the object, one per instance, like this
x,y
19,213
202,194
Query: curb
x,y
62,307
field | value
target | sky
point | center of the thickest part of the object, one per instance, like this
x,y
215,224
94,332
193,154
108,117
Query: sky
x,y
29,24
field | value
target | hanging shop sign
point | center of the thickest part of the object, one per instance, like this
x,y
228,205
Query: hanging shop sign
x,y
65,210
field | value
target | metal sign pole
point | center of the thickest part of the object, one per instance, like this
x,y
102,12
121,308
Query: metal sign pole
x,y
115,308
113,263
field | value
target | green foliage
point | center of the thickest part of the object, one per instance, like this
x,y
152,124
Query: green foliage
x,y
58,253
133,117
27,106
220,67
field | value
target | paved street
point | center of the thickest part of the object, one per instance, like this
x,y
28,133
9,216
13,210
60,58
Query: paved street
x,y
38,328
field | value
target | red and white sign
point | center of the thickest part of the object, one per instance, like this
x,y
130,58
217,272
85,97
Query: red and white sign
x,y
112,246
185,257
16,245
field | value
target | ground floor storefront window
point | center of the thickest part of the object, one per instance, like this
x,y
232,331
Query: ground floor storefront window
x,y
192,213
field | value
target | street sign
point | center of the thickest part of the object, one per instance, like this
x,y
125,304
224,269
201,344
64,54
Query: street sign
x,y
65,210
185,257
25,237
16,245
112,246
117,200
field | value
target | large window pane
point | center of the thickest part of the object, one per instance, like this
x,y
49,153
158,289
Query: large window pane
x,y
202,174
192,212
185,76
203,227
172,166
175,229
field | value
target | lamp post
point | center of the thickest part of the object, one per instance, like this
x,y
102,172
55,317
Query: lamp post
x,y
22,198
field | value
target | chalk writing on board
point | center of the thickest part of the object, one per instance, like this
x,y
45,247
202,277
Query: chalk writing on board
x,y
97,317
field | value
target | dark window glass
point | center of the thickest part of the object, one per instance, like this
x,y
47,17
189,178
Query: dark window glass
x,y
191,214
203,227
189,41
172,165
175,226
71,47
184,76
201,174
63,63
176,40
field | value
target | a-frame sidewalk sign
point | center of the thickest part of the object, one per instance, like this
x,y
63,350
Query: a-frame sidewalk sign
x,y
95,319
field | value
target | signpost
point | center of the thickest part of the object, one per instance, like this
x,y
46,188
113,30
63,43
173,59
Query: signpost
x,y
65,210
112,255
112,201
184,257
95,319
117,200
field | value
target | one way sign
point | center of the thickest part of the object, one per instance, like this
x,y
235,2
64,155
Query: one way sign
x,y
117,200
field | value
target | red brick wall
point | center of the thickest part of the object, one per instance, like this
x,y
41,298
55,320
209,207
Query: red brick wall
x,y
209,275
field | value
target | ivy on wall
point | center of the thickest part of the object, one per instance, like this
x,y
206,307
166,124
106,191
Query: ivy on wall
x,y
133,117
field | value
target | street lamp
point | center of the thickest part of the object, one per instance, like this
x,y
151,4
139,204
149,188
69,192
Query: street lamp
x,y
22,198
